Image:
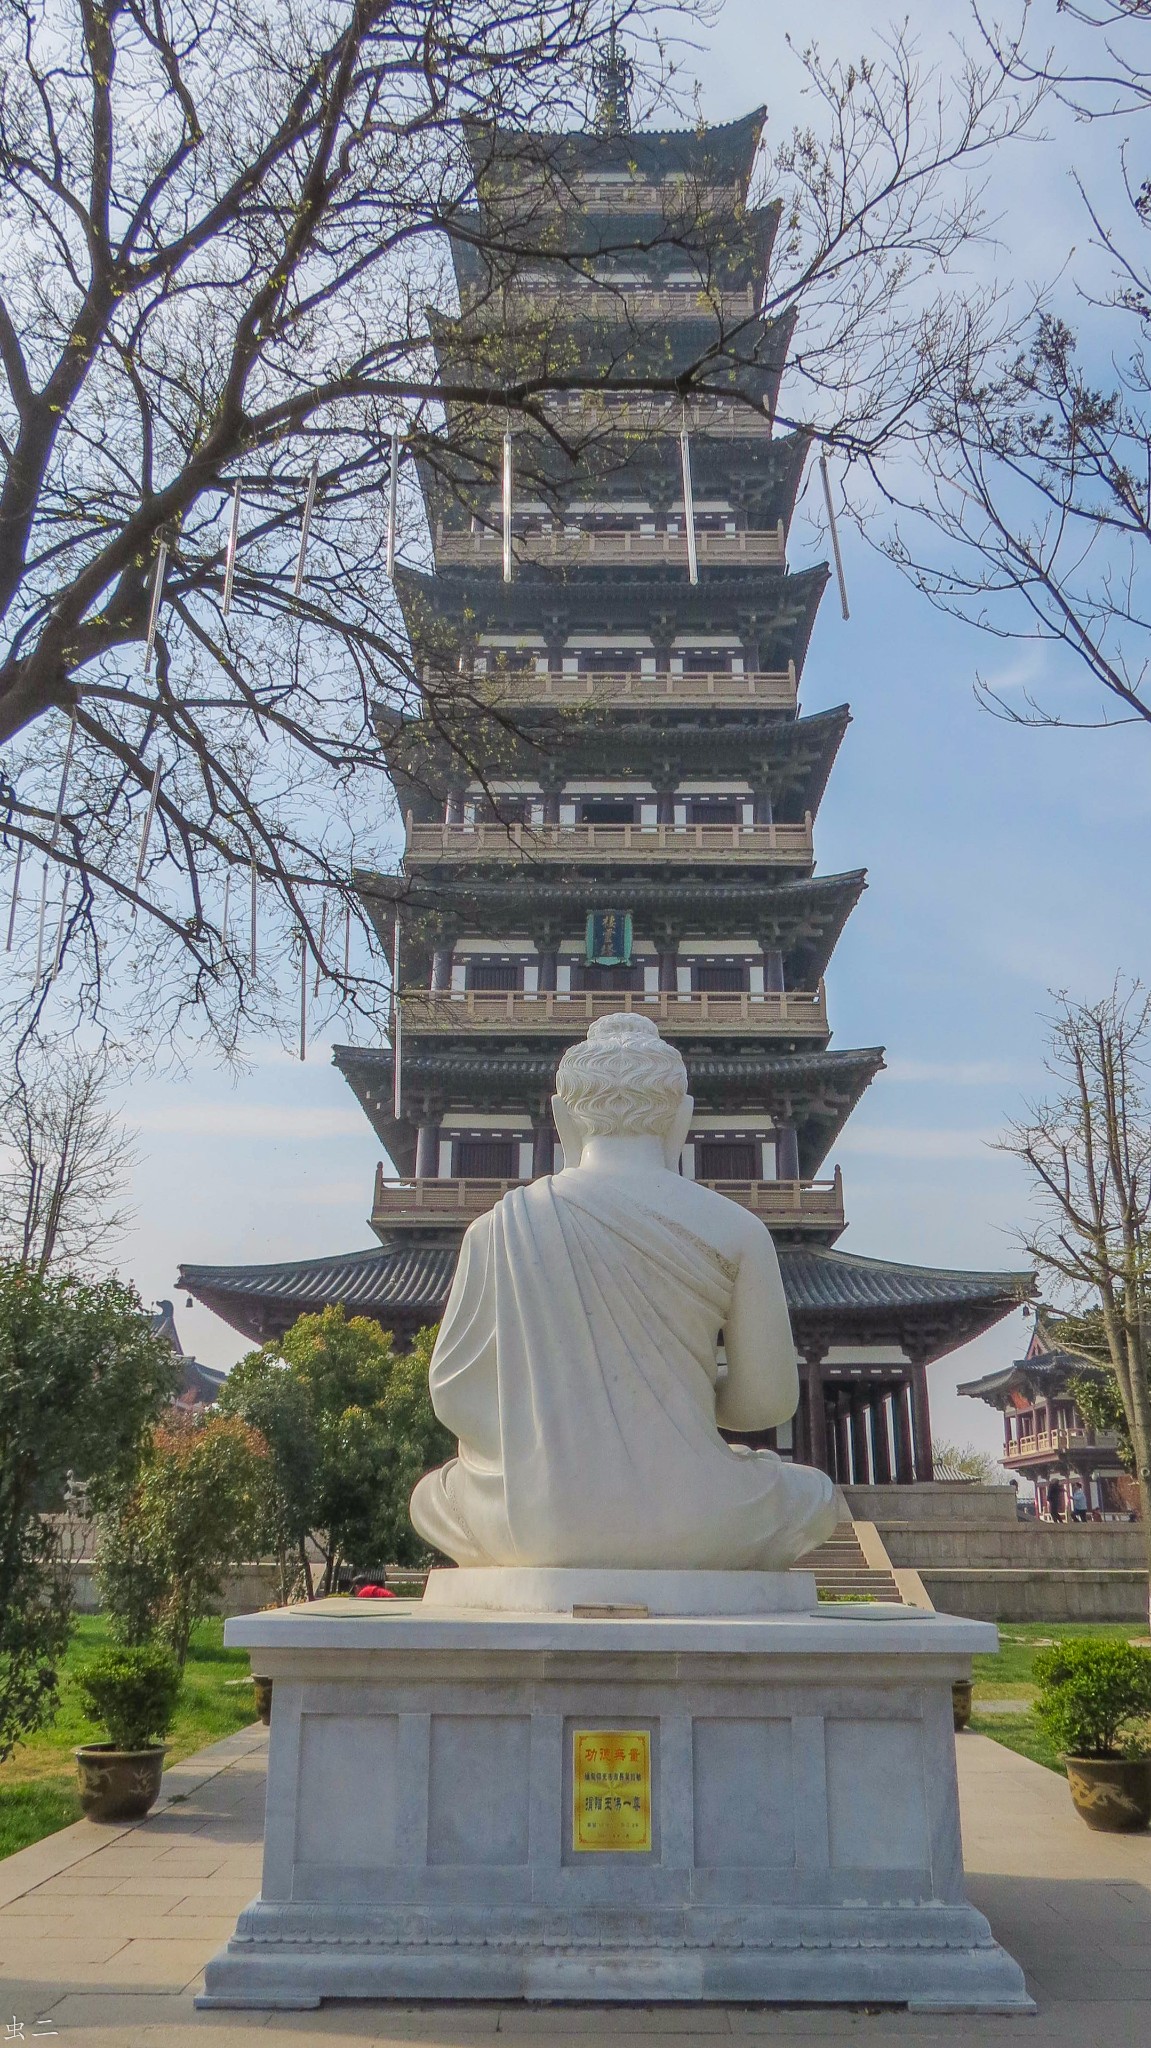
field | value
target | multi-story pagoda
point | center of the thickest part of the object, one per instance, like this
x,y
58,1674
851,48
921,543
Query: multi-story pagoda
x,y
631,820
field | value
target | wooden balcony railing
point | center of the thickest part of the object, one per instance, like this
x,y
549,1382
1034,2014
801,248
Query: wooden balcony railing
x,y
796,1014
769,690
674,197
1055,1443
815,1205
486,309
484,546
788,845
714,417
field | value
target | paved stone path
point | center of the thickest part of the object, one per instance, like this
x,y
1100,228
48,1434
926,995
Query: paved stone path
x,y
104,1931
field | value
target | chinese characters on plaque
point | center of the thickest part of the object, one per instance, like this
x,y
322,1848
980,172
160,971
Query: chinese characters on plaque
x,y
611,1788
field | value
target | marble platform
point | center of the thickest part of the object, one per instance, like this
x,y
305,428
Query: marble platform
x,y
440,1822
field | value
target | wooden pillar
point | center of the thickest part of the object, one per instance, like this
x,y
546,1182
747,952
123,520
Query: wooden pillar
x,y
921,1420
668,962
454,808
880,1445
901,1421
551,807
814,1412
442,968
427,1149
549,961
787,1152
843,1436
772,970
860,1461
543,1144
665,807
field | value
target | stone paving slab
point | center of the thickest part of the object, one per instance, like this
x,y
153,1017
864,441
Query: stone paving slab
x,y
104,1932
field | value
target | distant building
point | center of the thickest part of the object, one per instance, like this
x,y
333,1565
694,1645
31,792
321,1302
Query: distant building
x,y
1044,1433
201,1383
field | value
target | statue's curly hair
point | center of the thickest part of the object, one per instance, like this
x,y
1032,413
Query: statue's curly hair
x,y
622,1080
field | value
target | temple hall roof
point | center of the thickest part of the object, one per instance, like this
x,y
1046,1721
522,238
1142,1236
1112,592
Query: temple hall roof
x,y
833,1295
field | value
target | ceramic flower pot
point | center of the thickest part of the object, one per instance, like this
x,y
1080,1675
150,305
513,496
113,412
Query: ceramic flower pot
x,y
1113,1794
119,1784
263,1699
961,1702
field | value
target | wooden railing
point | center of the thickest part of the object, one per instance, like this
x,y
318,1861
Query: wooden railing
x,y
1055,1442
714,417
677,198
485,309
794,1013
484,546
772,690
790,845
788,1204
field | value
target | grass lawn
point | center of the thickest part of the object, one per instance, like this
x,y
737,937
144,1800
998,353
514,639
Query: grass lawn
x,y
1011,1676
38,1784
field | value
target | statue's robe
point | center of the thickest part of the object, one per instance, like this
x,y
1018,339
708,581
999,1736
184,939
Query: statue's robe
x,y
576,1364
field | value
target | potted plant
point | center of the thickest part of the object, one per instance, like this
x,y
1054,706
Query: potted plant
x,y
1094,1701
133,1694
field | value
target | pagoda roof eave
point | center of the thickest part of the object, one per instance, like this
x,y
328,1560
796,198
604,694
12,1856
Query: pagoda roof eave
x,y
769,470
721,154
817,1090
790,757
778,606
832,1295
1046,1375
804,917
488,244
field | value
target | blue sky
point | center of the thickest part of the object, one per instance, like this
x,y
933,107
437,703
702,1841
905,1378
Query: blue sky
x,y
1002,864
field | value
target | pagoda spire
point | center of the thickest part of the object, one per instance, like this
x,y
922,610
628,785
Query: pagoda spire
x,y
612,75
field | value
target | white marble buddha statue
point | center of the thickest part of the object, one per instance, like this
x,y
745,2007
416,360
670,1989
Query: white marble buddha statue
x,y
577,1359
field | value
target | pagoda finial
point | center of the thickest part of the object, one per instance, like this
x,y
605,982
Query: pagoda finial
x,y
612,75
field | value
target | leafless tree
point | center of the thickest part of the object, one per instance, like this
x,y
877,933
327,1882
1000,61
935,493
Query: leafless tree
x,y
1088,1151
1037,466
222,223
65,1160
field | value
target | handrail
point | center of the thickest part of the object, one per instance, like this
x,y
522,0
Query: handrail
x,y
791,1202
775,688
757,546
787,842
793,1010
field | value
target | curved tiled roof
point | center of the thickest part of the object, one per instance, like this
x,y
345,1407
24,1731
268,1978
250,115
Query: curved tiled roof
x,y
841,1293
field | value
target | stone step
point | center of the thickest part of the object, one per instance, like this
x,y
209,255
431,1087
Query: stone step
x,y
840,1567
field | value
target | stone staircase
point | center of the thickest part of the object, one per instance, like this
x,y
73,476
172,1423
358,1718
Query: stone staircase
x,y
840,1567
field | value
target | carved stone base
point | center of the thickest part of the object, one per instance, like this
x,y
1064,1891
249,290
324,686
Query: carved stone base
x,y
795,1835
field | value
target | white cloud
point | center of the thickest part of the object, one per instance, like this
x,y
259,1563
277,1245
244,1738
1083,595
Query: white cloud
x,y
271,1121
911,1144
959,1073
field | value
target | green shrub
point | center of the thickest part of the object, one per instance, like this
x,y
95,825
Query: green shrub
x,y
133,1693
1095,1697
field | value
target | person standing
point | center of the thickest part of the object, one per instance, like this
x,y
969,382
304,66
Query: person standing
x,y
1055,1494
1079,1509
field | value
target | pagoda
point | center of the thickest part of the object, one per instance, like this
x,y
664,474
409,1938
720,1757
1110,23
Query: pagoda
x,y
628,819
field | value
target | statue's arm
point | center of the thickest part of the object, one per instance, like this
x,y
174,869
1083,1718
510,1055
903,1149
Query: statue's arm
x,y
762,1385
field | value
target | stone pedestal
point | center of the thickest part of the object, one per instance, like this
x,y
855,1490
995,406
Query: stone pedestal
x,y
447,1789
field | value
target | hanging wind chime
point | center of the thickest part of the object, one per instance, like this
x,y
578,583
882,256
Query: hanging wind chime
x,y
507,504
230,551
159,574
397,1095
834,537
58,950
320,954
56,823
688,502
15,894
146,832
252,914
303,994
306,526
393,492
